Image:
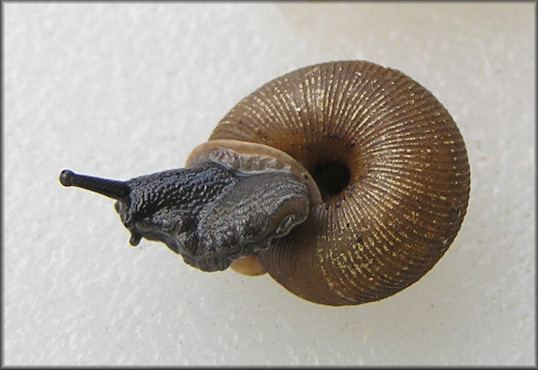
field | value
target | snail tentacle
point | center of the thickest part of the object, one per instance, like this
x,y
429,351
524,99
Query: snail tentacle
x,y
110,188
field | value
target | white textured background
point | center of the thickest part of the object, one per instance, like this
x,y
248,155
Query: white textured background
x,y
119,90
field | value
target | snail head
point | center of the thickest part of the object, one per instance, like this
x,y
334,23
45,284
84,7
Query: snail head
x,y
210,214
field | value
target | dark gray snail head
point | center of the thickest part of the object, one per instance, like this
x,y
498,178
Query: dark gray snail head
x,y
210,214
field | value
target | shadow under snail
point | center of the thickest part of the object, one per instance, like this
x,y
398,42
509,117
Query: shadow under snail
x,y
345,181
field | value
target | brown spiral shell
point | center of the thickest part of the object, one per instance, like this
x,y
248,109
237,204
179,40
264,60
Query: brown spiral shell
x,y
408,185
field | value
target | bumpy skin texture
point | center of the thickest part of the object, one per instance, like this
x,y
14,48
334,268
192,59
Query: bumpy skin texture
x,y
408,187
212,215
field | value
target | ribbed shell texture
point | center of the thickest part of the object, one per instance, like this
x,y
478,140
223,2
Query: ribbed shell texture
x,y
408,185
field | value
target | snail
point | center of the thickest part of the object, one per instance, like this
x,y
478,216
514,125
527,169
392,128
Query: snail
x,y
345,181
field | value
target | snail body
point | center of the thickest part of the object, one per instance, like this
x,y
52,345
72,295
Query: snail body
x,y
362,175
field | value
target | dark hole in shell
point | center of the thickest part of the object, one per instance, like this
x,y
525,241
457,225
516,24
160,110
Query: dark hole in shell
x,y
331,177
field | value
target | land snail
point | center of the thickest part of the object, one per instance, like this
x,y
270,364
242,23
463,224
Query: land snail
x,y
345,181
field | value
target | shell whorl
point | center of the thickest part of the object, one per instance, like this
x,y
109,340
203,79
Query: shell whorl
x,y
406,189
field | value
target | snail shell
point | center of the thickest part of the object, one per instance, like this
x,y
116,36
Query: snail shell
x,y
345,181
391,168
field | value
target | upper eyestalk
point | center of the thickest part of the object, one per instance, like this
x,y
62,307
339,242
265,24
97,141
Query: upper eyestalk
x,y
111,188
